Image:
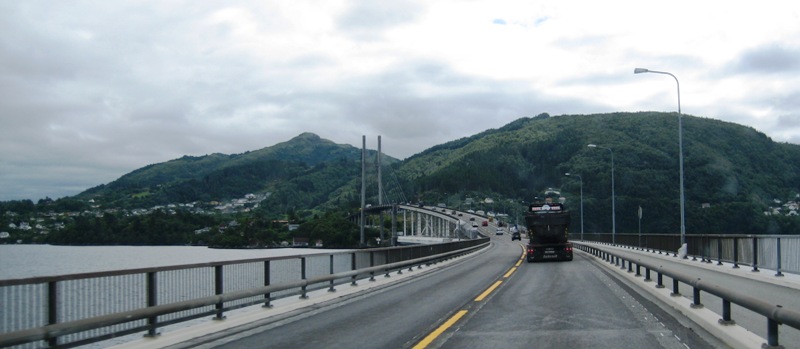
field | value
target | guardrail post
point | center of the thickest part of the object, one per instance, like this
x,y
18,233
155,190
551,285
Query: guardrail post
x,y
772,333
719,251
638,270
152,300
779,259
372,264
303,289
696,298
755,254
386,261
331,289
52,309
218,289
726,313
660,280
735,253
353,267
630,267
647,275
675,290
400,256
267,296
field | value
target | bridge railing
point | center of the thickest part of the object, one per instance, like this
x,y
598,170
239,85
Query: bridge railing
x,y
72,310
774,314
774,252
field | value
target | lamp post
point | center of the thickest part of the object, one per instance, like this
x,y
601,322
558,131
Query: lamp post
x,y
680,147
581,180
613,205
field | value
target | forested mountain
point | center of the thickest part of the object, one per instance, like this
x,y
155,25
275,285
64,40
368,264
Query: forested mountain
x,y
303,173
732,172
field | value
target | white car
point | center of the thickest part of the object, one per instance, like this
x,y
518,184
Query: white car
x,y
499,231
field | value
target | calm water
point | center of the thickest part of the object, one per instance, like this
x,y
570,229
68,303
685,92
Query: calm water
x,y
22,261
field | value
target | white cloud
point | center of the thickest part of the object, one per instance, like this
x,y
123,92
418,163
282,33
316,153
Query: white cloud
x,y
92,90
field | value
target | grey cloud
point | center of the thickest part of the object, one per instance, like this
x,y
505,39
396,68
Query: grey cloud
x,y
767,59
367,19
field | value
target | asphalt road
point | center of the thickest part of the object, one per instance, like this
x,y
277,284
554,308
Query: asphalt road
x,y
569,305
554,305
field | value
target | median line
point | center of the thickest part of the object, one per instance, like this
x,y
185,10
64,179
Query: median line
x,y
453,319
510,271
435,334
488,291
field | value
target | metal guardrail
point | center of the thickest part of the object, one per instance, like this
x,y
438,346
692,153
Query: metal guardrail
x,y
775,252
775,314
72,310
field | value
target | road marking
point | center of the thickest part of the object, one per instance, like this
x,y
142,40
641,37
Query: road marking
x,y
488,291
450,322
435,334
510,271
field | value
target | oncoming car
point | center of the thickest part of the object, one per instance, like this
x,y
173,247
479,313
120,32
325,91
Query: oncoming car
x,y
499,231
516,236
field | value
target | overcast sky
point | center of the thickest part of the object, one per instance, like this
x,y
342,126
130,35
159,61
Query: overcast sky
x,y
92,90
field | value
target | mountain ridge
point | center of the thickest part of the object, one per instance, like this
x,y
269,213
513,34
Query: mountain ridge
x,y
733,171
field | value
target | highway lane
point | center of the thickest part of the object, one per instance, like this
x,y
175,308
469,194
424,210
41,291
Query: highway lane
x,y
569,305
393,317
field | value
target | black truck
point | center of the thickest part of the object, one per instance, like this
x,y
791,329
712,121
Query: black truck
x,y
548,228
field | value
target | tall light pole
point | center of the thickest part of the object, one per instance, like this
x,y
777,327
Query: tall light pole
x,y
613,205
581,179
680,147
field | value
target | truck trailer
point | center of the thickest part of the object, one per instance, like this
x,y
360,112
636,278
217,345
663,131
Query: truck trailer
x,y
548,229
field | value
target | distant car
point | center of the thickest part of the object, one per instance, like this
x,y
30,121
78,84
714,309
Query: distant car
x,y
499,231
515,236
472,218
485,223
474,225
459,214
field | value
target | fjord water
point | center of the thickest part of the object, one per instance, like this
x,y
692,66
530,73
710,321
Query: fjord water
x,y
23,261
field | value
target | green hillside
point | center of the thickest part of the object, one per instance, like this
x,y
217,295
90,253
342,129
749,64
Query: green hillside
x,y
733,174
302,173
732,170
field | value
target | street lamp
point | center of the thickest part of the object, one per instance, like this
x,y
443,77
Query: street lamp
x,y
581,179
613,205
680,147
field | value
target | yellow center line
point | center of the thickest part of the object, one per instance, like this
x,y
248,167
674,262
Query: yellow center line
x,y
435,334
510,271
425,342
488,291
